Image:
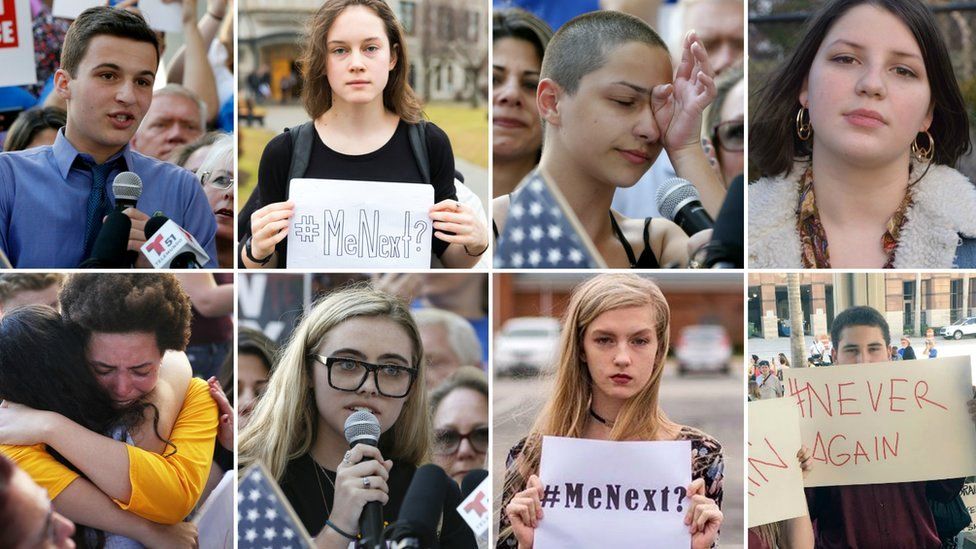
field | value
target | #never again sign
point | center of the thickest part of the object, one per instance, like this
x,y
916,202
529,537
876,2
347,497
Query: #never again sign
x,y
900,421
613,494
359,224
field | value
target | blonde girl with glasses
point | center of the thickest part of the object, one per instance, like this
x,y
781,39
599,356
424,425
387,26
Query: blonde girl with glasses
x,y
332,365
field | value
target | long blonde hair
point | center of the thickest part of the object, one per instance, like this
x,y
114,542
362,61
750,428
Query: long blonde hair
x,y
285,419
566,412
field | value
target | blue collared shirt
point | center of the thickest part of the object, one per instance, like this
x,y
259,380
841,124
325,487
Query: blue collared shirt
x,y
44,192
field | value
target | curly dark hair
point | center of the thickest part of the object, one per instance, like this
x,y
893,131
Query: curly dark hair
x,y
120,303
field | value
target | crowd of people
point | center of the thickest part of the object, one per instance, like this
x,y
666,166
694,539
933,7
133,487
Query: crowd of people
x,y
150,114
424,381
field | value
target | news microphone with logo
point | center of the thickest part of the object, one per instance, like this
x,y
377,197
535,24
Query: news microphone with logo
x,y
678,200
420,512
169,246
362,427
127,188
111,245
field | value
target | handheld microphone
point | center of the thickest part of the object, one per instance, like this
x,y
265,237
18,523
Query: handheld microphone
x,y
109,249
169,246
471,481
678,200
725,249
362,427
127,188
420,512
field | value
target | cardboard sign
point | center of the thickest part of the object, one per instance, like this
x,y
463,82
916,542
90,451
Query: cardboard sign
x,y
613,494
969,500
160,16
774,479
359,224
16,44
889,422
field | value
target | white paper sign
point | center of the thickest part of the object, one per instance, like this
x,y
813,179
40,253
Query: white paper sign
x,y
775,481
160,16
613,494
215,521
16,44
899,421
359,224
476,511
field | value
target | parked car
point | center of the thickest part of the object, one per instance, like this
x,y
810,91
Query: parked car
x,y
960,328
526,346
703,348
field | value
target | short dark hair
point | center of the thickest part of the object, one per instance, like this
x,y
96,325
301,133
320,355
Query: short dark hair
x,y
30,123
98,21
773,143
523,25
121,303
862,315
763,363
581,45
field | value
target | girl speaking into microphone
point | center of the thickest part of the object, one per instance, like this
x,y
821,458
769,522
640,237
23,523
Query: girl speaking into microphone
x,y
356,348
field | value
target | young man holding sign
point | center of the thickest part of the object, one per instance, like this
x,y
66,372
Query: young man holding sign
x,y
108,66
890,515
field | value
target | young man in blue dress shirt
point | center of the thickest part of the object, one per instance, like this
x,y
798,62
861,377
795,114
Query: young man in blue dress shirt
x,y
51,202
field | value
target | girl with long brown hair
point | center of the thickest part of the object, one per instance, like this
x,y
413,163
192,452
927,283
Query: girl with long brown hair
x,y
612,350
355,70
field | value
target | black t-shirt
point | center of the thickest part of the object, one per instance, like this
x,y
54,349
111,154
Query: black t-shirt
x,y
305,484
394,161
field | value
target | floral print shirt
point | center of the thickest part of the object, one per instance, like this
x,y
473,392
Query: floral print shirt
x,y
813,239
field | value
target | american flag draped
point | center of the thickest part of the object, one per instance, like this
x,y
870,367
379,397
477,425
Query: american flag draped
x,y
264,518
538,234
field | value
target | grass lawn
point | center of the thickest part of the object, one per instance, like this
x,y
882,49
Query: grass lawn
x,y
252,145
467,128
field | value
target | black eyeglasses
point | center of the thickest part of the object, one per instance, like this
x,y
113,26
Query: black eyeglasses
x,y
447,441
348,374
730,135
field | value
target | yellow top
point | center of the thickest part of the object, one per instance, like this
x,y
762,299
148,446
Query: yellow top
x,y
164,488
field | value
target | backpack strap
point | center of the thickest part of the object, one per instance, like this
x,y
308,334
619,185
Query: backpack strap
x,y
417,134
301,150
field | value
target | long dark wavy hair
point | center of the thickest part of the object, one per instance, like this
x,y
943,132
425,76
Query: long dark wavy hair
x,y
773,143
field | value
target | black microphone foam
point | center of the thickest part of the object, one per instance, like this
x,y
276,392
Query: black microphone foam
x,y
678,200
155,223
422,506
127,188
726,248
471,481
362,427
455,532
109,249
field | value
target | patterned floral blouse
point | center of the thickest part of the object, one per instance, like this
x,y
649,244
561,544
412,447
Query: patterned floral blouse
x,y
813,239
706,462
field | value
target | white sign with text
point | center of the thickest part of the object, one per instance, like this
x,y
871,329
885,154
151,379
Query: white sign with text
x,y
359,224
16,44
600,493
902,421
774,479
